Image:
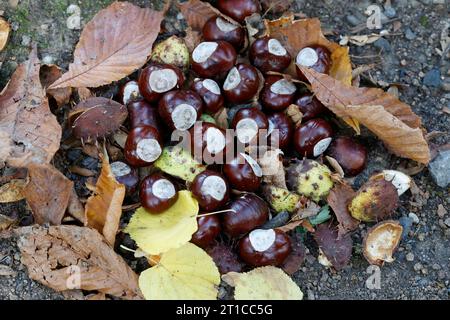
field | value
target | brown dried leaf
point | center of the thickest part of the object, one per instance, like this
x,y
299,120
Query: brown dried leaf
x,y
387,117
5,28
75,208
12,191
338,199
47,192
49,74
192,38
272,168
290,226
29,132
115,43
104,208
6,222
197,12
55,256
296,258
221,118
293,112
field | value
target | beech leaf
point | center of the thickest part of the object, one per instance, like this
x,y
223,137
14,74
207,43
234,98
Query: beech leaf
x,y
186,273
104,208
71,257
387,117
47,193
29,132
264,283
5,29
49,74
115,43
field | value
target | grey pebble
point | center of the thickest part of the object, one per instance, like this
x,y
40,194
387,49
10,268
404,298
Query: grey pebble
x,y
432,78
440,169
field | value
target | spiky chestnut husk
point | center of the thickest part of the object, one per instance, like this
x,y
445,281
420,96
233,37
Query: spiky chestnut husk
x,y
376,200
280,199
173,51
97,117
381,241
310,178
179,163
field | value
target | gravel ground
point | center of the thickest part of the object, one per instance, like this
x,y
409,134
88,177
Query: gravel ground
x,y
407,57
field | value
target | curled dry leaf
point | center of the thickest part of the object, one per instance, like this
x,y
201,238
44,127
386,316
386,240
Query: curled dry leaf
x,y
387,117
265,283
5,29
53,254
197,12
6,222
49,74
12,191
186,273
115,43
104,208
158,233
337,251
75,207
339,199
297,256
297,34
293,112
47,193
272,168
381,241
97,117
29,132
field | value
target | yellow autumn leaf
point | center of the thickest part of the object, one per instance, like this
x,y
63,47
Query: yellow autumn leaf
x,y
265,283
158,233
186,273
12,191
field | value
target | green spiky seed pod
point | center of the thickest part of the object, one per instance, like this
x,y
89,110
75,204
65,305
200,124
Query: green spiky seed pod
x,y
178,162
172,51
310,178
280,199
376,200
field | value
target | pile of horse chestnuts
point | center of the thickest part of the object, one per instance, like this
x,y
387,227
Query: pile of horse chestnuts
x,y
169,96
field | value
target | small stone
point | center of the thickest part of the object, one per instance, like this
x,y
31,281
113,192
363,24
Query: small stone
x,y
440,169
48,60
432,78
447,222
410,257
418,266
414,217
26,40
406,223
354,21
436,266
383,44
390,12
74,20
421,236
441,211
409,34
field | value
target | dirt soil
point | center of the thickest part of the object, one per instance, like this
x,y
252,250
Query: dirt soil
x,y
407,57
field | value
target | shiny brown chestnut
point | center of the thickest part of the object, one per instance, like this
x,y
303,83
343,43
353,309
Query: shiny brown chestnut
x,y
210,93
241,84
243,173
351,155
246,213
317,58
281,122
239,9
125,175
211,190
313,137
265,247
157,193
212,59
208,229
247,123
129,92
209,142
217,28
277,94
310,106
268,54
159,78
141,113
180,109
143,146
